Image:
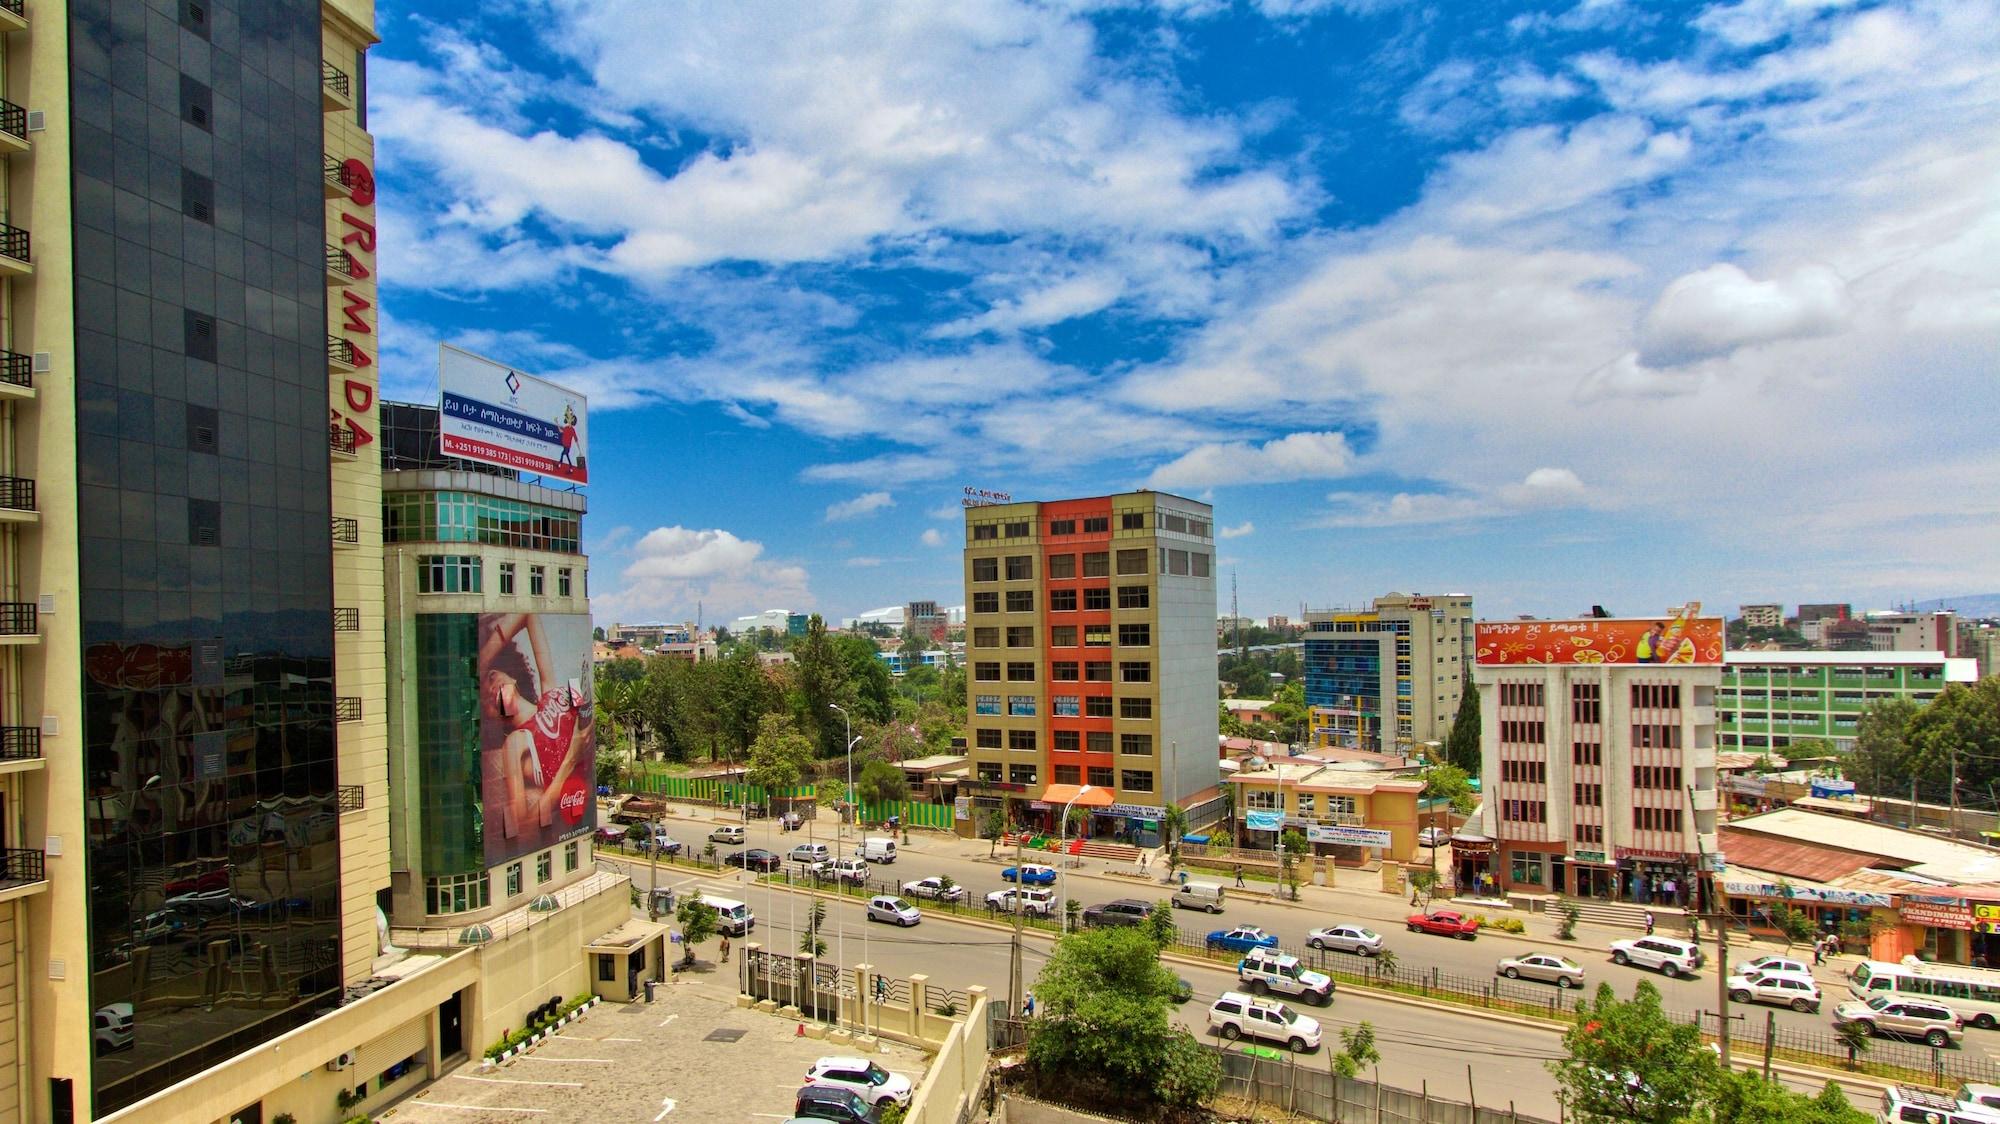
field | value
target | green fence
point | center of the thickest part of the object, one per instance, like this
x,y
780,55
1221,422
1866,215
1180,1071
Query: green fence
x,y
912,813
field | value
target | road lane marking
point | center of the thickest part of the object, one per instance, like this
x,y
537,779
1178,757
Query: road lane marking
x,y
667,1105
668,1019
480,1107
611,1039
563,1061
519,1081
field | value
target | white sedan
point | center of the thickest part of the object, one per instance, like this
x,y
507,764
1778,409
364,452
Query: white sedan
x,y
936,889
1346,938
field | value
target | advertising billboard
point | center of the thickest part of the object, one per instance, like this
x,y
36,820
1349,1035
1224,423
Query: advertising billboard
x,y
492,413
1675,638
537,731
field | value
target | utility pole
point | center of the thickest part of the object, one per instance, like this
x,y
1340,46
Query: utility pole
x,y
1014,949
1720,920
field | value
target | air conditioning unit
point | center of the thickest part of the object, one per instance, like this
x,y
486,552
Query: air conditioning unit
x,y
344,1061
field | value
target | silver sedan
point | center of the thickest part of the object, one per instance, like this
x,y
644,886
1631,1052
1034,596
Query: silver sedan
x,y
1546,967
1346,938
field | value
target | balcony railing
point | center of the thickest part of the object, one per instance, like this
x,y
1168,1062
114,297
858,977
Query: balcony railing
x,y
20,743
13,242
339,350
339,261
346,529
352,797
13,119
20,866
17,493
347,708
340,439
18,7
19,618
335,79
17,369
347,620
336,172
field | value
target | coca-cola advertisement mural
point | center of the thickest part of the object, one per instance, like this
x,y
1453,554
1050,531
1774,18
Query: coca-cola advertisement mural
x,y
537,731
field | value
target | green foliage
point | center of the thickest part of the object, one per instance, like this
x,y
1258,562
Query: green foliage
x,y
1629,1062
1882,758
1159,925
1105,1002
1746,1098
1461,746
1425,882
992,824
515,1038
1566,928
1449,782
1385,961
810,941
1855,1039
781,756
1357,1050
892,1113
880,782
1296,848
699,922
1173,825
1795,925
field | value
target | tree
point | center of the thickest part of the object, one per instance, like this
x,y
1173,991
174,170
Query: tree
x,y
1881,762
1106,1003
1629,1062
879,782
1855,1039
1357,1050
1159,925
992,825
1747,1098
1288,710
1461,746
1449,782
780,757
810,942
1295,849
1173,825
1958,735
699,922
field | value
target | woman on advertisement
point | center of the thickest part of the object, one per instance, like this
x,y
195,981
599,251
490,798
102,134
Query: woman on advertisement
x,y
544,734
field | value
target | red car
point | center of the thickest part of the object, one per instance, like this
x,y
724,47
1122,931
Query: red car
x,y
1444,924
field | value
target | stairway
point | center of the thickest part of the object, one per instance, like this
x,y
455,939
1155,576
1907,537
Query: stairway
x,y
1624,914
1113,852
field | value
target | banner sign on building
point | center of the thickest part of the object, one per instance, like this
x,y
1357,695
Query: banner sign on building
x,y
1346,836
1669,639
1132,811
496,415
1824,894
1986,918
961,808
537,731
1937,916
1264,819
1830,788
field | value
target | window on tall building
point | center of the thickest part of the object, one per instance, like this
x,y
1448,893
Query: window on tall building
x,y
987,637
1520,694
1062,600
1520,732
1020,600
563,580
1097,741
506,579
1097,706
1021,774
1062,527
1131,562
990,772
983,531
1200,563
1656,696
1131,520
448,573
985,602
1136,780
545,867
986,738
1020,567
1585,705
1068,774
1021,706
1591,794
1097,671
1135,706
1524,811
1065,706
1021,739
1062,636
537,580
1651,736
986,569
1021,671
569,857
1140,745
1260,798
986,704
1524,772
513,879
1135,635
1174,562
1020,636
1135,671
1020,530
1586,753
1063,671
1656,776
1097,565
1097,599
1097,525
1066,741
1100,775
1097,636
1135,597
1062,566
1589,832
986,672
1657,819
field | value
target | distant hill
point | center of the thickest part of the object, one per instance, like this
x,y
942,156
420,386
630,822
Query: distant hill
x,y
1971,605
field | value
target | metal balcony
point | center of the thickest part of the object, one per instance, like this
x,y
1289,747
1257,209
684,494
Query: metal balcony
x,y
20,743
347,620
339,266
347,708
19,618
352,797
337,178
340,353
340,440
14,250
346,531
17,494
13,16
335,91
20,867
17,373
13,127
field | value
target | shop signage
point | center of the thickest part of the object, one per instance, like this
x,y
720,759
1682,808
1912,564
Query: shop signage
x,y
1937,916
1745,786
980,784
1264,819
961,808
1651,855
1986,918
1346,836
353,406
1826,895
1462,848
1588,857
1133,811
1829,788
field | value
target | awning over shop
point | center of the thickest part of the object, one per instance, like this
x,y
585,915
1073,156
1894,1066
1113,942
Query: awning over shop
x,y
1064,793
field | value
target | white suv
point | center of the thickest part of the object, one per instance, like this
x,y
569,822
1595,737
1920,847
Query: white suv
x,y
1266,970
1668,956
1237,1015
862,1077
1034,901
1786,989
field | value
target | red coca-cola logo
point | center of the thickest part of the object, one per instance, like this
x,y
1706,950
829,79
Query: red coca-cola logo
x,y
575,798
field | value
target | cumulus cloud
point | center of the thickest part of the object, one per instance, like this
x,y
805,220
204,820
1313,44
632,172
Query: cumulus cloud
x,y
1236,532
933,537
866,503
1296,456
1541,489
672,569
1714,311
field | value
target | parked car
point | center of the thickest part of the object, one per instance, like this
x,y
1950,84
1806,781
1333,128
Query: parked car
x,y
936,888
811,854
111,1028
1358,939
890,908
1544,966
852,871
727,833
666,844
1433,837
1033,901
1669,956
829,1102
1267,970
1030,874
1975,1095
1786,989
1904,1104
1929,1020
753,858
610,835
1237,1015
1773,964
1242,938
1443,923
790,821
1124,911
862,1077
1207,896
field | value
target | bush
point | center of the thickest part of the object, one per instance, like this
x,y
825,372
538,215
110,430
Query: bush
x,y
515,1038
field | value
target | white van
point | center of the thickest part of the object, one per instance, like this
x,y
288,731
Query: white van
x,y
879,850
1200,895
733,917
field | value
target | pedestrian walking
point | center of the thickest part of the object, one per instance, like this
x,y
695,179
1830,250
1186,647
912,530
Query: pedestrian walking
x,y
1028,1008
1649,922
1819,952
1239,876
725,950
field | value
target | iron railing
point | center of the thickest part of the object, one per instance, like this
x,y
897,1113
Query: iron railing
x,y
18,7
13,119
339,350
17,493
352,797
942,999
347,708
335,79
17,369
339,261
19,618
13,242
336,172
20,743
19,866
346,529
340,439
347,620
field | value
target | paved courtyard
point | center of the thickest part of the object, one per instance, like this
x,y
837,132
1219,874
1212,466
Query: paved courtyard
x,y
692,1055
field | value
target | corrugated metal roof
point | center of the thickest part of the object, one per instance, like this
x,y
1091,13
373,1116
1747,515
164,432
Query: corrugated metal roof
x,y
1790,858
1917,852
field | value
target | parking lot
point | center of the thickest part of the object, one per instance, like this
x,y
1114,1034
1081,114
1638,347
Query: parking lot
x,y
691,1055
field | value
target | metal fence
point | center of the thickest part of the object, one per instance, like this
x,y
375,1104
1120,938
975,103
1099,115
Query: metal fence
x,y
1309,1090
939,998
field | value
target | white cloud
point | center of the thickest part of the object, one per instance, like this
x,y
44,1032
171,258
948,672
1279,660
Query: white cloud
x,y
1714,311
1542,489
1296,456
864,562
671,570
933,537
866,503
1236,532
889,466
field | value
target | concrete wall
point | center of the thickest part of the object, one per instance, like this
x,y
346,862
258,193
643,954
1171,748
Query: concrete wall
x,y
956,1072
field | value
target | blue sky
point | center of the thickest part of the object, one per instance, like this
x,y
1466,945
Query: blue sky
x,y
1585,302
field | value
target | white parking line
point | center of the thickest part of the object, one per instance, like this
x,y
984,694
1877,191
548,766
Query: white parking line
x,y
478,1107
611,1039
565,1061
521,1081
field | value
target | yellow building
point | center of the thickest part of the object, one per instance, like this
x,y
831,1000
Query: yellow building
x,y
1353,816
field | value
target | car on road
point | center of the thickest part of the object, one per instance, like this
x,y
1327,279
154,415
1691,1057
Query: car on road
x,y
111,1028
666,844
791,821
890,908
809,854
727,833
1358,939
1242,938
1443,923
1933,1022
1034,901
853,871
754,858
1786,989
1266,970
862,1077
1124,911
1985,1098
826,1102
1030,874
1546,967
1772,964
1183,989
1238,1015
1669,956
937,888
610,835
1433,837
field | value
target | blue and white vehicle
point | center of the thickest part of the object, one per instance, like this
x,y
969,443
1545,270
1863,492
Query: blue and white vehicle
x,y
1264,971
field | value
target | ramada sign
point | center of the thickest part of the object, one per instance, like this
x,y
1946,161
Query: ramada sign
x,y
357,237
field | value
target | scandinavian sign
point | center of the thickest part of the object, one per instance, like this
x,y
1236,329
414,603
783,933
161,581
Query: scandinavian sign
x,y
496,415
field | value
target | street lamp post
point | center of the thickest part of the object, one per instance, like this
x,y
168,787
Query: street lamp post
x,y
839,840
1062,848
1430,761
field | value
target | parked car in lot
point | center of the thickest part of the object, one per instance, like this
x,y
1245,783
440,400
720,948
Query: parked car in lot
x,y
862,1077
790,821
1443,923
1358,939
827,1102
1030,874
111,1028
727,833
1546,967
1786,989
1267,970
1669,956
610,835
1242,938
1033,901
1933,1022
1237,1015
753,858
936,888
896,911
1124,911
